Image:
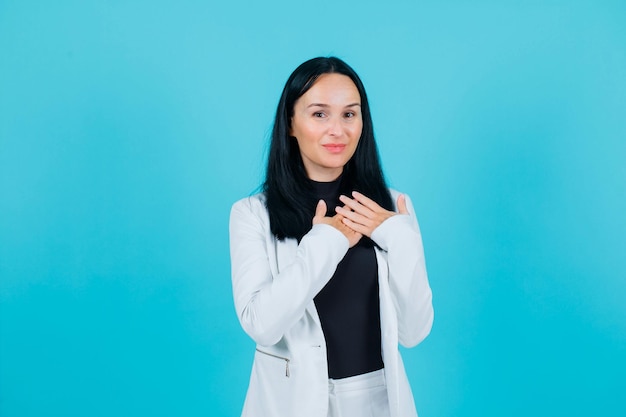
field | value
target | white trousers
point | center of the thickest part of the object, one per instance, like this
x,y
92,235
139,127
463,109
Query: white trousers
x,y
359,396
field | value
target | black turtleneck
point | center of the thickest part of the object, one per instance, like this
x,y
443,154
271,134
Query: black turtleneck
x,y
348,306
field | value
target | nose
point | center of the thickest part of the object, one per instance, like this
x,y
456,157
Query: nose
x,y
334,127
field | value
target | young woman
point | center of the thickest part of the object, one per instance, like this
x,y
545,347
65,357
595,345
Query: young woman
x,y
328,267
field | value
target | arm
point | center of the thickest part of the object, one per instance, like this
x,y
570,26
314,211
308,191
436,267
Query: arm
x,y
269,303
400,237
397,234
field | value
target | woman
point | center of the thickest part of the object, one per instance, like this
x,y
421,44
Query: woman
x,y
328,267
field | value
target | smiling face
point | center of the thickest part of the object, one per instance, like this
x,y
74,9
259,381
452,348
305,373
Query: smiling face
x,y
327,124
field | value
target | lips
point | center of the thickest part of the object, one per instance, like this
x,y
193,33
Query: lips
x,y
334,147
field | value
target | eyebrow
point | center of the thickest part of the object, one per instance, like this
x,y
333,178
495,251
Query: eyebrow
x,y
327,105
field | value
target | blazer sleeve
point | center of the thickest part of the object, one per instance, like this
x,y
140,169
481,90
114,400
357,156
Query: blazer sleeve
x,y
269,301
400,237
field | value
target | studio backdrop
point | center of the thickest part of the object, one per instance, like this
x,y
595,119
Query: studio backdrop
x,y
128,129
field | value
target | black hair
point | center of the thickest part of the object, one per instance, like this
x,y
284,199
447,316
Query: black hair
x,y
289,200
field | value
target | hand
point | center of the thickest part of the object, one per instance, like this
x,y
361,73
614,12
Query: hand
x,y
364,215
337,222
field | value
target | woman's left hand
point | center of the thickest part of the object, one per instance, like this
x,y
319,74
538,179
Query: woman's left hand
x,y
364,215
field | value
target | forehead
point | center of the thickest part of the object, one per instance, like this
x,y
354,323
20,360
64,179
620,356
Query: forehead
x,y
332,89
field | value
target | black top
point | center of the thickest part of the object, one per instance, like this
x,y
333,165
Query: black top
x,y
348,306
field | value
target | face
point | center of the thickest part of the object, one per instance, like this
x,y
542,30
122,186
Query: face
x,y
327,124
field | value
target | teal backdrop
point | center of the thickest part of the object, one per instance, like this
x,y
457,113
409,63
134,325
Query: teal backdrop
x,y
128,129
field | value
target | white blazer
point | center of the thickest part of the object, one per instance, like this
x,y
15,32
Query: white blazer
x,y
274,283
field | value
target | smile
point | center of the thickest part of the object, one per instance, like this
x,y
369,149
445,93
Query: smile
x,y
334,147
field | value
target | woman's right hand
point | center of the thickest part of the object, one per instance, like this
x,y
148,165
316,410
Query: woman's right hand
x,y
337,222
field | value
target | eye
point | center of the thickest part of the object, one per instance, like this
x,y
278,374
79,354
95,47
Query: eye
x,y
318,114
349,115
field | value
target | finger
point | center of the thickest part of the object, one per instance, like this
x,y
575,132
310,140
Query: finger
x,y
356,206
352,235
366,201
320,209
402,204
354,216
359,228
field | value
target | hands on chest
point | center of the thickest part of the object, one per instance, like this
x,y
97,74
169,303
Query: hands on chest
x,y
358,217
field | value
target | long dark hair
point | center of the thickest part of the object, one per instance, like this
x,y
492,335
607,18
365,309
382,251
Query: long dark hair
x,y
287,189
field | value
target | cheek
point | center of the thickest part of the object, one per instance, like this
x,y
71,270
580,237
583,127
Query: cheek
x,y
299,127
356,131
306,140
307,133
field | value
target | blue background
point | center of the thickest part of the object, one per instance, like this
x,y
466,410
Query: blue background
x,y
128,128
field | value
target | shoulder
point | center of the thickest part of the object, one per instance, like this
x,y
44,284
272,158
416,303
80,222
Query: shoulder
x,y
251,207
253,202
